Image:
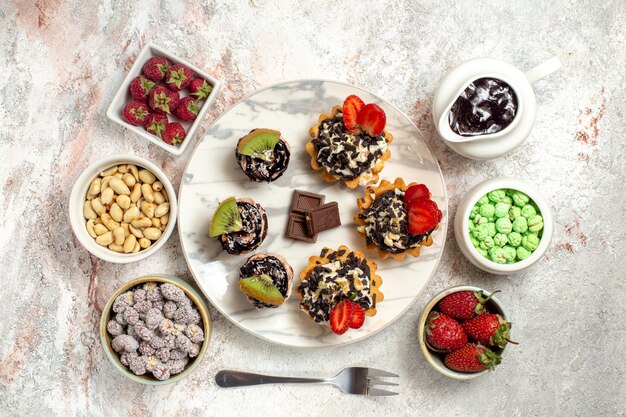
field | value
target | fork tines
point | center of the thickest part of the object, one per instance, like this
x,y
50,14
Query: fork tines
x,y
373,378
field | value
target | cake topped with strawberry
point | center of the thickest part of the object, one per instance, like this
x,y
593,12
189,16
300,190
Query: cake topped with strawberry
x,y
397,219
350,144
340,287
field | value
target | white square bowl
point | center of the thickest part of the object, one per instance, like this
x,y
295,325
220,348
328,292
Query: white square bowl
x,y
123,97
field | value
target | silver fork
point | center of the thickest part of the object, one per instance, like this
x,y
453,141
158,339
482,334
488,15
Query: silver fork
x,y
353,380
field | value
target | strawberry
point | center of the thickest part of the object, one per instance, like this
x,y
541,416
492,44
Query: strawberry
x,y
178,77
136,113
358,317
372,119
200,88
187,109
464,305
352,105
340,316
162,100
443,333
174,133
156,124
140,86
414,192
489,330
424,215
471,358
156,68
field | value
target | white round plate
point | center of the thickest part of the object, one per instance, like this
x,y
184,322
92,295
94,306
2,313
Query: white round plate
x,y
213,175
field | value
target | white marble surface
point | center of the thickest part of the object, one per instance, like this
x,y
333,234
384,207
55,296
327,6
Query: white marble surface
x,y
64,60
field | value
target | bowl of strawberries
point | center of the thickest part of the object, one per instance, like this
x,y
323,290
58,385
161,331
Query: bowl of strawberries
x,y
163,99
464,332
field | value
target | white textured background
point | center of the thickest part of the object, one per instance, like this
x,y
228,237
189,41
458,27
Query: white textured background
x,y
61,63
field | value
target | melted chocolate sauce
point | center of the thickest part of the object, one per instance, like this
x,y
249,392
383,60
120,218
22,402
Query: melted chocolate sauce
x,y
254,221
486,106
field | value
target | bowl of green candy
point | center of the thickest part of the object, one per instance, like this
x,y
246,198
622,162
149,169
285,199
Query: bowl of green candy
x,y
503,225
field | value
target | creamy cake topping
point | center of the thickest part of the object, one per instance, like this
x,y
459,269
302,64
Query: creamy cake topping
x,y
329,283
266,170
346,155
254,221
386,223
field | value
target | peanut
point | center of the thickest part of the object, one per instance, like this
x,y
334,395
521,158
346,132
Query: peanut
x,y
119,186
158,197
97,206
134,171
116,248
129,243
156,222
137,232
136,193
147,176
118,235
148,193
165,218
152,233
100,229
129,179
147,209
109,172
94,188
88,212
137,247
108,221
116,212
141,223
157,186
123,169
123,201
162,209
105,239
131,214
144,243
90,229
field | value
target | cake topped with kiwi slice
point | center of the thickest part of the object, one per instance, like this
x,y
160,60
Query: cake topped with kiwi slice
x,y
266,280
240,225
263,155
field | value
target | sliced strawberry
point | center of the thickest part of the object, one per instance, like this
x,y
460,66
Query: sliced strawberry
x,y
424,215
372,119
358,317
415,191
340,316
352,105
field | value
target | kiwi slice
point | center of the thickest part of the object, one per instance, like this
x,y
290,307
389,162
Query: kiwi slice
x,y
261,288
259,144
226,218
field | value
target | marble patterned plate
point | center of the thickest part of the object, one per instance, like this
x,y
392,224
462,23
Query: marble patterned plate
x,y
212,175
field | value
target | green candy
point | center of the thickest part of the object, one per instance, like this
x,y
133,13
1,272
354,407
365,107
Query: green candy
x,y
520,199
507,199
482,220
514,212
474,211
470,226
504,225
481,232
500,239
482,200
502,209
515,239
497,254
535,223
530,242
520,225
509,192
522,253
528,211
491,227
487,243
496,195
474,241
510,253
487,210
482,252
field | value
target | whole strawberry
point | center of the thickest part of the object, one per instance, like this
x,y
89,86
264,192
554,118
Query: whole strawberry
x,y
163,100
489,330
140,86
136,113
156,124
200,88
156,68
471,358
187,109
464,305
174,133
443,333
178,77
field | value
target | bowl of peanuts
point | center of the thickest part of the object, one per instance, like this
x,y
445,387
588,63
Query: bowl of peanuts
x,y
123,208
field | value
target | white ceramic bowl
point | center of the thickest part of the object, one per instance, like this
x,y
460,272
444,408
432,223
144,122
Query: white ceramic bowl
x,y
123,97
79,193
461,221
431,357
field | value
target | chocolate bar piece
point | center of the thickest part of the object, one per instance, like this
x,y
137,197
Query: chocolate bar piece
x,y
322,218
304,201
296,228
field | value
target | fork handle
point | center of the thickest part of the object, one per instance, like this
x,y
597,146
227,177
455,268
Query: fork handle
x,y
230,379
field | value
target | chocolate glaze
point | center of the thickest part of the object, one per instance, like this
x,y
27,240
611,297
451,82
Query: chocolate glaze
x,y
487,105
254,221
259,170
278,269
